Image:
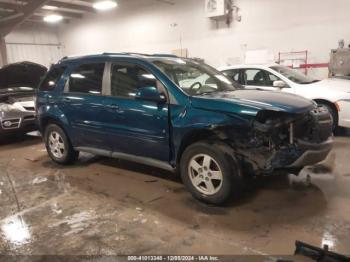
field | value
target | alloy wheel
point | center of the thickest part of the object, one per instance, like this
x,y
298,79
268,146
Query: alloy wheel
x,y
205,174
56,145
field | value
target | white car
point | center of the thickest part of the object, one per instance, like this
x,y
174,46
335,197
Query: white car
x,y
333,93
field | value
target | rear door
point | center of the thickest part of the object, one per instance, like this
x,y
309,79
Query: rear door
x,y
82,103
134,126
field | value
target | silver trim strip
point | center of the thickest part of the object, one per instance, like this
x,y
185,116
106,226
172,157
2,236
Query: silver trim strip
x,y
132,158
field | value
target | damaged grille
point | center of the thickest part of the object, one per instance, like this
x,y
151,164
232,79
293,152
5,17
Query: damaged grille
x,y
316,127
281,128
277,138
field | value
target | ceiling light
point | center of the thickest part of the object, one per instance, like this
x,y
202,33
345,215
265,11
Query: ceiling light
x,y
49,7
105,5
53,18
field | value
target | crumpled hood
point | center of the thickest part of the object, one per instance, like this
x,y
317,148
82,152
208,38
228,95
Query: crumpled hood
x,y
336,84
250,102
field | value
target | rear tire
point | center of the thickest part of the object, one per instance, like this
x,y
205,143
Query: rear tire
x,y
211,173
58,145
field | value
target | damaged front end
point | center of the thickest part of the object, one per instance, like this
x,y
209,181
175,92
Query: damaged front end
x,y
284,140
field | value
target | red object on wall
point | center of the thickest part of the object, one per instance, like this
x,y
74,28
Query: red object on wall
x,y
299,56
319,65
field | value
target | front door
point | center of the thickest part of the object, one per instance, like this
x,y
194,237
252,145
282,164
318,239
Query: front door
x,y
134,126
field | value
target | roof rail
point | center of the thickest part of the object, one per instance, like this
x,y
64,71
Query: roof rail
x,y
124,53
165,55
142,54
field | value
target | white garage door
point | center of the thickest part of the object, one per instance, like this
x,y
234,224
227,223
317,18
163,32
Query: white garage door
x,y
39,53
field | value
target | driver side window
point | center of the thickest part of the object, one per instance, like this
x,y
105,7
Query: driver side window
x,y
126,79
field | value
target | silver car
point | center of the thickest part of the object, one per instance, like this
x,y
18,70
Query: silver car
x,y
17,93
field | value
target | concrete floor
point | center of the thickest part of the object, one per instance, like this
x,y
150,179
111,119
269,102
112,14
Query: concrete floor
x,y
105,206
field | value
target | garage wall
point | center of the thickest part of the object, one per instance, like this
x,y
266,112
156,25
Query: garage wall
x,y
273,25
35,44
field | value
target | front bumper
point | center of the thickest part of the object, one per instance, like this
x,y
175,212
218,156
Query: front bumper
x,y
19,124
312,153
344,113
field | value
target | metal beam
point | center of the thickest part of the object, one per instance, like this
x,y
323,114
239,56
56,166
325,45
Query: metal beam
x,y
10,17
165,2
3,52
62,13
72,6
29,9
11,6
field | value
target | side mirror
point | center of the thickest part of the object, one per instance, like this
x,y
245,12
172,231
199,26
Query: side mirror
x,y
279,84
150,93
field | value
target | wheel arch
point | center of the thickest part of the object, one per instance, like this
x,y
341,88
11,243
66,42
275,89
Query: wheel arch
x,y
47,120
195,136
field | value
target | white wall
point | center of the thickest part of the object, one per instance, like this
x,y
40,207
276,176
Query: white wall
x,y
34,43
275,25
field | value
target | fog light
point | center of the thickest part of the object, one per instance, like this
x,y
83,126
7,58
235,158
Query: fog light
x,y
7,124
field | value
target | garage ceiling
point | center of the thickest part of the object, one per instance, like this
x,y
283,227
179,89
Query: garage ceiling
x,y
15,12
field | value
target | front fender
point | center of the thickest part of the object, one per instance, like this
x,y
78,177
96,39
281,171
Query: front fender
x,y
190,125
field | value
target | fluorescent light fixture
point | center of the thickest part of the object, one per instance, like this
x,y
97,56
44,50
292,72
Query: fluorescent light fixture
x,y
104,5
49,7
53,18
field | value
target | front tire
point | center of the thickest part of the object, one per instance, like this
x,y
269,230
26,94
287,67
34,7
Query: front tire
x,y
333,113
58,146
210,173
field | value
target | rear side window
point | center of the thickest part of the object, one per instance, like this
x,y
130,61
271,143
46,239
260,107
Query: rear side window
x,y
52,78
87,78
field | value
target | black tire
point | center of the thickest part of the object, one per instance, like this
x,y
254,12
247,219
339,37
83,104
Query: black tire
x,y
232,184
68,154
333,113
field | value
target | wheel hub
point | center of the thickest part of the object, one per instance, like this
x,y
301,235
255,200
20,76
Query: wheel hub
x,y
205,174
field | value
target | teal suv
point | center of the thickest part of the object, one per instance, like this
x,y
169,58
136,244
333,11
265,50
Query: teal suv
x,y
180,115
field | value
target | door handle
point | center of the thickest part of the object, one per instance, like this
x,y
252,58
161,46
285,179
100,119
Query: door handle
x,y
113,107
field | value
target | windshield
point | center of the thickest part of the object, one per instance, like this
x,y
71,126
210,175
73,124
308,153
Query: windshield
x,y
194,78
293,75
